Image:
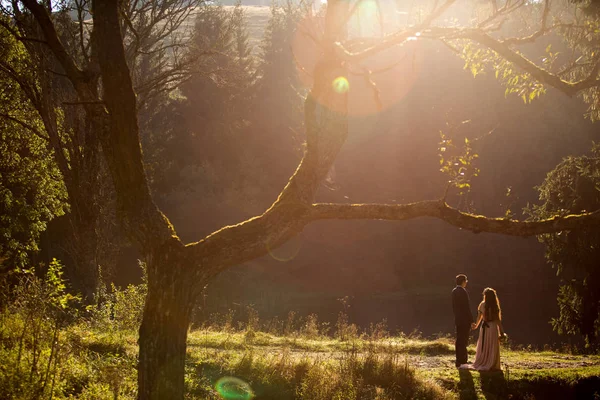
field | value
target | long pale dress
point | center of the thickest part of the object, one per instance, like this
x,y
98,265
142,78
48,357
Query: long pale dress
x,y
487,355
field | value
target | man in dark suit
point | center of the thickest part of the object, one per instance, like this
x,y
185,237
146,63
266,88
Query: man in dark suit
x,y
463,319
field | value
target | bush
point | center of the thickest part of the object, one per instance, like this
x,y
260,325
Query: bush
x,y
32,348
119,309
310,328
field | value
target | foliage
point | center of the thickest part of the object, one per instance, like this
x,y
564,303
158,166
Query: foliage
x,y
575,33
477,58
31,188
574,187
582,39
458,162
31,333
119,309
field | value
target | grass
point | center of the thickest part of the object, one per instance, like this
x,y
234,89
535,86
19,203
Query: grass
x,y
46,352
526,374
100,364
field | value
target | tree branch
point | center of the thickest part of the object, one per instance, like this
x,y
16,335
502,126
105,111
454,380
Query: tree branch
x,y
43,19
541,32
17,36
259,235
439,209
503,49
393,39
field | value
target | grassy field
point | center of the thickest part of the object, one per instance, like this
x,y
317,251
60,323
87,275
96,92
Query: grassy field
x,y
299,367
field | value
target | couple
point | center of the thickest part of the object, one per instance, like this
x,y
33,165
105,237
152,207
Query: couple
x,y
489,321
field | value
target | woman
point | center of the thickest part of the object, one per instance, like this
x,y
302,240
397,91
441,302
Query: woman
x,y
489,318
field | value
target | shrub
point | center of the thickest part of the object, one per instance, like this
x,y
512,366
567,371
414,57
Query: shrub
x,y
119,309
30,331
310,328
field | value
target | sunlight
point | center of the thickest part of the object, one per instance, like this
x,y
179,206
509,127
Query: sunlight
x,y
395,69
367,21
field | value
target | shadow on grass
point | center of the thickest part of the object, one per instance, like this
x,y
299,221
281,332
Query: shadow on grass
x,y
466,386
555,388
493,385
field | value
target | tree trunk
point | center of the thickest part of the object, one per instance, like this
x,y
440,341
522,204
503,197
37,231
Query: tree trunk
x,y
163,333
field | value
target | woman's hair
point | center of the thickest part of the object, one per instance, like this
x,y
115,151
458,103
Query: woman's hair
x,y
492,305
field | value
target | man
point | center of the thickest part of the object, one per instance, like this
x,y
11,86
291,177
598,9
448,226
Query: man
x,y
463,319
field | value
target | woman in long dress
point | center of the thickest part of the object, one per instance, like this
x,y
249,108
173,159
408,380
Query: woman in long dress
x,y
489,319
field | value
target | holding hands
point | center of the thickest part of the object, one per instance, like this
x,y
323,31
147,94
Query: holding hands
x,y
473,326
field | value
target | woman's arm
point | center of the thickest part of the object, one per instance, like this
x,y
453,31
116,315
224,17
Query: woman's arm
x,y
479,318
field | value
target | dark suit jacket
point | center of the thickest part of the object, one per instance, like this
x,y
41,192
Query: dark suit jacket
x,y
461,306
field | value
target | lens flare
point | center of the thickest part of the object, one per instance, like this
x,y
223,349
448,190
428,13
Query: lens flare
x,y
341,85
392,73
287,251
232,388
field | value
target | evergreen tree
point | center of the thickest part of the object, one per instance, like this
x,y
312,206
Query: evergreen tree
x,y
279,89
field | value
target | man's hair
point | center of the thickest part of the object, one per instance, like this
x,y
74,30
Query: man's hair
x,y
460,279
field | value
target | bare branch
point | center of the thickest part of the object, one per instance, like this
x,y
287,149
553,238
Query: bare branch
x,y
503,11
541,32
366,73
18,36
81,103
43,18
393,39
80,8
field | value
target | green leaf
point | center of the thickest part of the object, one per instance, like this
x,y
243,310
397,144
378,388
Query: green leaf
x,y
532,96
474,71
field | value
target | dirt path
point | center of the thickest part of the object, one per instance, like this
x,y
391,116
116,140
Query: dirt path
x,y
514,360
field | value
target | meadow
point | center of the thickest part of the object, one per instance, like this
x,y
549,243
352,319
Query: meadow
x,y
51,349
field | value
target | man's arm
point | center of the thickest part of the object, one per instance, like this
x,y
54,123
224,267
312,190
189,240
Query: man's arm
x,y
468,306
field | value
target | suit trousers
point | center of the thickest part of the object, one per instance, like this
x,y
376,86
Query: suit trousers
x,y
462,340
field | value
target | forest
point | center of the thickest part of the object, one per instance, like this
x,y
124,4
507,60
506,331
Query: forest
x,y
248,200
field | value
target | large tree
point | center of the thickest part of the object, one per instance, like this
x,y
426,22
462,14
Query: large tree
x,y
178,271
154,39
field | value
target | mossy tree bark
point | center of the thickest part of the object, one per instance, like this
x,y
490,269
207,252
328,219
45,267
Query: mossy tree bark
x,y
163,333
